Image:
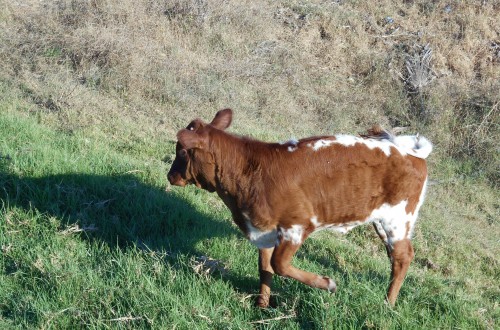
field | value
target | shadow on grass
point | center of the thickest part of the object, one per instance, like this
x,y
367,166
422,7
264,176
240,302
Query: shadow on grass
x,y
118,210
121,212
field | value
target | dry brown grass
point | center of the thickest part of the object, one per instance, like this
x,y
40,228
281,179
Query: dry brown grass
x,y
288,68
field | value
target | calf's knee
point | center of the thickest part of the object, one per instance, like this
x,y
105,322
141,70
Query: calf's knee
x,y
280,268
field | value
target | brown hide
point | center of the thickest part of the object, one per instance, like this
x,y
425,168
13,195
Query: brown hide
x,y
338,184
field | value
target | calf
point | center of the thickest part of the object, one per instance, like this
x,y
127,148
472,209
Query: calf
x,y
280,193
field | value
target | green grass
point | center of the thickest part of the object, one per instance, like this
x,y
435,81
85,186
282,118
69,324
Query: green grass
x,y
91,238
92,94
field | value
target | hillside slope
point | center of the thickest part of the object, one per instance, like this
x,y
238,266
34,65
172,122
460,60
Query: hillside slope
x,y
93,92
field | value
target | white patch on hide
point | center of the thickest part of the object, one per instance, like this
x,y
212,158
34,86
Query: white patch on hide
x,y
321,144
393,219
349,141
315,222
417,208
332,286
293,234
262,239
292,144
417,146
414,145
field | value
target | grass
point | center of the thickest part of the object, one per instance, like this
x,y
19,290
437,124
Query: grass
x,y
92,94
90,237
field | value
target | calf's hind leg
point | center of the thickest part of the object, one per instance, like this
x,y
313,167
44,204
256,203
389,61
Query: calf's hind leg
x,y
281,263
397,226
401,256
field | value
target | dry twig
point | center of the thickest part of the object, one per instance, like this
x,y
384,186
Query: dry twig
x,y
281,317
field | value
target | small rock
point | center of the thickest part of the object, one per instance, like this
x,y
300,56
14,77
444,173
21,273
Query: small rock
x,y
429,264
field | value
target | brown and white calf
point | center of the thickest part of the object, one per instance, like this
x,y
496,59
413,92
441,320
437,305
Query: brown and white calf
x,y
280,193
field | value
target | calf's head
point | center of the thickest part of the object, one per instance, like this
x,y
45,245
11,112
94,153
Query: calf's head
x,y
194,161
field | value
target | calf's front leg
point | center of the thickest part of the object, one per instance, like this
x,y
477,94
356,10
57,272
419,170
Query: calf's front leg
x,y
266,277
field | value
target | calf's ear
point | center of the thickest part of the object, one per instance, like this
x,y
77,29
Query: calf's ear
x,y
222,119
191,140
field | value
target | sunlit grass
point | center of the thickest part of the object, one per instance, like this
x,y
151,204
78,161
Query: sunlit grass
x,y
91,238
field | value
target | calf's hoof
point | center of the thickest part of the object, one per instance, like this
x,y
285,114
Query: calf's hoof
x,y
332,286
262,302
390,303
